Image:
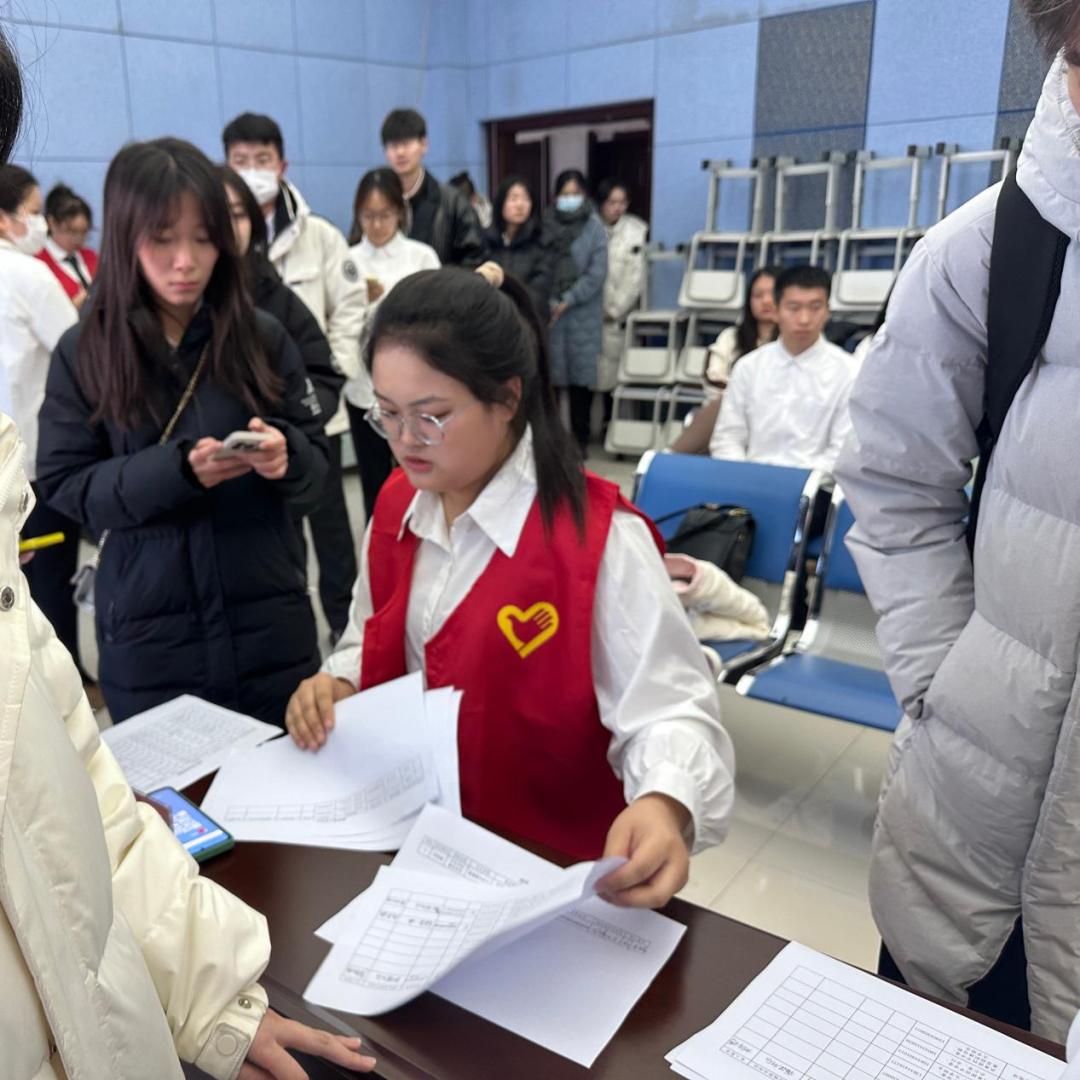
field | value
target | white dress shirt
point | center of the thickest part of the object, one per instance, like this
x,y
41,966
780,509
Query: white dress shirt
x,y
780,409
653,687
34,313
395,260
61,257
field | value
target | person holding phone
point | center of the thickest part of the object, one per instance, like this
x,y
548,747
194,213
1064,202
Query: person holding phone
x,y
384,255
201,584
494,563
117,959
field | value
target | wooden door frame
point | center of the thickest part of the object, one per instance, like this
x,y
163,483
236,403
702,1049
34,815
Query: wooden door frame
x,y
497,131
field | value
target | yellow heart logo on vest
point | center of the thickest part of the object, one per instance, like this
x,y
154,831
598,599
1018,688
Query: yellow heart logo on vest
x,y
542,616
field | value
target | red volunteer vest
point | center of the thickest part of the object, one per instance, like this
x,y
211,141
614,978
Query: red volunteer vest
x,y
533,753
71,286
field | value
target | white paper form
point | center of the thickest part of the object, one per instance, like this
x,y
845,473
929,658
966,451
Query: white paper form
x,y
175,744
567,985
441,719
374,771
411,929
809,1016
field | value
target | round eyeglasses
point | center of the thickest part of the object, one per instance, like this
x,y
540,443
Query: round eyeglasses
x,y
428,430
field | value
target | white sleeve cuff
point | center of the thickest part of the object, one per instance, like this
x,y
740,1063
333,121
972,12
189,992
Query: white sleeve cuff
x,y
233,1033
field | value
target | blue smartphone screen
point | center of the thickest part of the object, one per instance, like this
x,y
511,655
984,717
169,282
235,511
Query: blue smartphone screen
x,y
190,825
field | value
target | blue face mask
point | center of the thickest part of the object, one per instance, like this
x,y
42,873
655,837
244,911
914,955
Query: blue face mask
x,y
567,204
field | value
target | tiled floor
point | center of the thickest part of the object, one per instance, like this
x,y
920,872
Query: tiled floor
x,y
795,862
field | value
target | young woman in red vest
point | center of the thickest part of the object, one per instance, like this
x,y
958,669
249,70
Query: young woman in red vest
x,y
496,564
65,253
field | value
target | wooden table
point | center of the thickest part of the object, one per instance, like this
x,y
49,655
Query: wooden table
x,y
298,888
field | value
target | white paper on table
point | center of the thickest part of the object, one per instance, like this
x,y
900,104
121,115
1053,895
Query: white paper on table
x,y
569,984
175,744
411,929
808,1016
374,771
441,720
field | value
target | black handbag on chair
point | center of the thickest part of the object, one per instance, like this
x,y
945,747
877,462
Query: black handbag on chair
x,y
715,532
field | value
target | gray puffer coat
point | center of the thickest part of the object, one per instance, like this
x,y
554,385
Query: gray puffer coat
x,y
576,339
979,820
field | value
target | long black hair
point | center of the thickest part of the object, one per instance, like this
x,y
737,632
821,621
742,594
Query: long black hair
x,y
484,337
11,99
388,184
746,331
15,184
121,345
498,222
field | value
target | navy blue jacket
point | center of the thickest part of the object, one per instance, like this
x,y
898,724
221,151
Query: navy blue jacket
x,y
200,592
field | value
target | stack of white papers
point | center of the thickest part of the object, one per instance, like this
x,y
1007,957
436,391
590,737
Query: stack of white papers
x,y
177,743
392,750
809,1017
437,919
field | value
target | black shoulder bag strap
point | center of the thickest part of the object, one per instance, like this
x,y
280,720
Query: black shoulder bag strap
x,y
1026,263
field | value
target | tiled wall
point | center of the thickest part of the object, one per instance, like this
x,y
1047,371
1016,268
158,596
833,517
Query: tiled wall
x,y
102,72
730,78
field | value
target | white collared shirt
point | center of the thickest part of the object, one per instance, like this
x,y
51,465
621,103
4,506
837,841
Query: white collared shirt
x,y
388,264
653,687
34,313
60,256
780,409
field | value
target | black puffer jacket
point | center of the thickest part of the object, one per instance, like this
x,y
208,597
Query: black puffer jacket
x,y
275,297
198,591
528,259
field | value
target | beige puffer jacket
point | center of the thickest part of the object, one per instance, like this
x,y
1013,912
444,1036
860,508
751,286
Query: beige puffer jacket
x,y
115,956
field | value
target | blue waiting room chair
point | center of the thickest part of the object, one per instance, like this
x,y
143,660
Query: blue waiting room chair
x,y
834,668
782,502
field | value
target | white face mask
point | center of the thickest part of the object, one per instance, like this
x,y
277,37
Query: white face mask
x,y
264,184
33,240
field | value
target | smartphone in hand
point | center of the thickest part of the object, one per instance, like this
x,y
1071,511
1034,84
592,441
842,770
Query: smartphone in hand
x,y
240,443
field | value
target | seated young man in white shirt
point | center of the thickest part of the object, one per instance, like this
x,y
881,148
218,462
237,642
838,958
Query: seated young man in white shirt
x,y
787,402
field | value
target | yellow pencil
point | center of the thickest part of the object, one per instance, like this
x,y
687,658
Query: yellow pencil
x,y
36,543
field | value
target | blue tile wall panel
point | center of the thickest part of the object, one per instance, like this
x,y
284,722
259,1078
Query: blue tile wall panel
x,y
174,91
527,86
604,22
705,84
697,14
331,28
922,36
518,29
338,135
266,24
445,107
397,30
191,20
330,189
612,73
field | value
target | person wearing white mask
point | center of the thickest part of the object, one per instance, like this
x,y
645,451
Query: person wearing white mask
x,y
34,313
313,259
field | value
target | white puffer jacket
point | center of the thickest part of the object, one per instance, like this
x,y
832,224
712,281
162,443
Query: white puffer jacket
x,y
979,820
115,956
313,259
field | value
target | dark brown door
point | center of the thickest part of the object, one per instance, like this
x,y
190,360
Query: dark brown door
x,y
627,155
527,159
